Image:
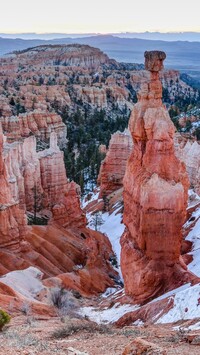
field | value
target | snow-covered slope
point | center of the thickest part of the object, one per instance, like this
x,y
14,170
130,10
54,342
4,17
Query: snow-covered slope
x,y
194,237
113,227
186,304
180,304
110,224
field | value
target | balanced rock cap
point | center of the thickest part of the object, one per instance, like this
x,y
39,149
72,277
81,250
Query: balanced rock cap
x,y
154,60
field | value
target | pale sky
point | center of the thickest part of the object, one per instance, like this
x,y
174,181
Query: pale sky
x,y
104,16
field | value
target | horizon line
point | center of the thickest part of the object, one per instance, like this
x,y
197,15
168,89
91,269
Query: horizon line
x,y
99,33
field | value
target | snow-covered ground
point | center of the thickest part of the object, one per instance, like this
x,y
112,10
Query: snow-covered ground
x,y
111,225
94,196
186,298
194,237
107,315
186,305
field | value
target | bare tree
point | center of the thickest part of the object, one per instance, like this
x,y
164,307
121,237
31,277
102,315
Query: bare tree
x,y
97,220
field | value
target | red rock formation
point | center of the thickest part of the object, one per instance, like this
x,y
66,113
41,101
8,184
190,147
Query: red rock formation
x,y
5,107
53,173
66,251
141,346
37,123
68,55
67,212
12,218
170,80
155,196
114,165
35,177
41,97
95,96
74,258
188,151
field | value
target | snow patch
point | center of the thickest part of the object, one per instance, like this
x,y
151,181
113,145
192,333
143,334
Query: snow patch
x,y
195,326
186,305
108,315
171,293
113,227
109,291
138,323
194,237
94,196
26,282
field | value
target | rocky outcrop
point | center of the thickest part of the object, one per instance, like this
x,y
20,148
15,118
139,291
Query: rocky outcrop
x,y
74,258
5,109
12,218
95,96
114,165
34,97
170,80
37,123
188,151
67,55
69,254
67,212
142,346
48,78
36,179
155,196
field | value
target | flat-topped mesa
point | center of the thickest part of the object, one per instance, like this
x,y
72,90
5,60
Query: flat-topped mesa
x,y
67,55
155,196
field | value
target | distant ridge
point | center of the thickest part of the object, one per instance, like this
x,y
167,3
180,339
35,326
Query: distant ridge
x,y
163,36
181,55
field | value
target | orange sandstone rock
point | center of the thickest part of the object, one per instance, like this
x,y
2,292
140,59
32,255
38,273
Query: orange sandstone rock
x,y
38,123
67,212
114,165
141,346
188,151
12,218
35,177
155,196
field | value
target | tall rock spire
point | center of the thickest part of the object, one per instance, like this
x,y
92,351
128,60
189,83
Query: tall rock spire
x,y
155,196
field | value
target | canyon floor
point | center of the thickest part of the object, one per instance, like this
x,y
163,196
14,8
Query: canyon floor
x,y
28,335
62,282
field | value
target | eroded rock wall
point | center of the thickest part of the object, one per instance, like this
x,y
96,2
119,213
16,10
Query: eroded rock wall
x,y
12,218
188,151
35,178
38,123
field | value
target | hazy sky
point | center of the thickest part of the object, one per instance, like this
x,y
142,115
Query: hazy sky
x,y
77,16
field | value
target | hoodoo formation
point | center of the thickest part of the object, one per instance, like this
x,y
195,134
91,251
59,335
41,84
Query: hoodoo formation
x,y
155,196
57,248
113,167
